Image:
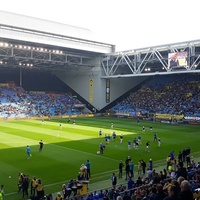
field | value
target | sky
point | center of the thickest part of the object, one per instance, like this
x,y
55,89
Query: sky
x,y
128,24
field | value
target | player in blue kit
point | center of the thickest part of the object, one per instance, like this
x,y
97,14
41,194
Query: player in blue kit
x,y
129,145
155,139
134,143
139,139
28,151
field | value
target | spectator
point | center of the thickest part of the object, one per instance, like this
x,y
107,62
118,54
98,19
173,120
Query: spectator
x,y
114,180
181,171
126,196
152,193
39,189
25,186
58,196
160,195
130,184
88,169
2,194
121,165
185,193
143,164
33,186
173,193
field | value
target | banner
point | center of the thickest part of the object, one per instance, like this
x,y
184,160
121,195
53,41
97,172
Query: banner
x,y
80,105
192,120
177,59
169,116
107,91
37,92
3,84
91,90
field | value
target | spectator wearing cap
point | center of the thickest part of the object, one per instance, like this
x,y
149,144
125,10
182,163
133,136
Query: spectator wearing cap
x,y
150,164
58,196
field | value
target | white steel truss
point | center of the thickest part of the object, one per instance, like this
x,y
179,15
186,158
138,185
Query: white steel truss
x,y
150,61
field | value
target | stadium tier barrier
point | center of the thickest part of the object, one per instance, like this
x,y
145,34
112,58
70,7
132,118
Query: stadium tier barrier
x,y
45,117
169,116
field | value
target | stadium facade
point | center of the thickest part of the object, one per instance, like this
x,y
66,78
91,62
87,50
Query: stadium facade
x,y
92,68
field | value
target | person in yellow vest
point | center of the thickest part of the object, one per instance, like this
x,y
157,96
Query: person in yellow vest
x,y
167,185
2,192
196,194
58,196
139,167
33,186
39,189
168,162
170,169
1,196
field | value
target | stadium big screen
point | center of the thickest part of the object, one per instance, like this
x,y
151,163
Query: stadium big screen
x,y
177,59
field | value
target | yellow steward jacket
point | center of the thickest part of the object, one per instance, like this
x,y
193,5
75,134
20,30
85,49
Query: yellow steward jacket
x,y
39,187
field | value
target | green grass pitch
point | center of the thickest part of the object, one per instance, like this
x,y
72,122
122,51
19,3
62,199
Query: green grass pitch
x,y
66,148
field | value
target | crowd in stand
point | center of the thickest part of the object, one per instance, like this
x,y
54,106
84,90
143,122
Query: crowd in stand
x,y
152,185
172,94
174,182
15,102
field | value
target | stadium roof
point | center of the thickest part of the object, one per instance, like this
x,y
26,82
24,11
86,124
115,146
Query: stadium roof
x,y
29,42
37,24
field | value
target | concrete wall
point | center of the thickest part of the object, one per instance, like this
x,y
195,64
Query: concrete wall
x,y
79,80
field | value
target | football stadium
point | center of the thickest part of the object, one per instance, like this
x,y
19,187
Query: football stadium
x,y
81,121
